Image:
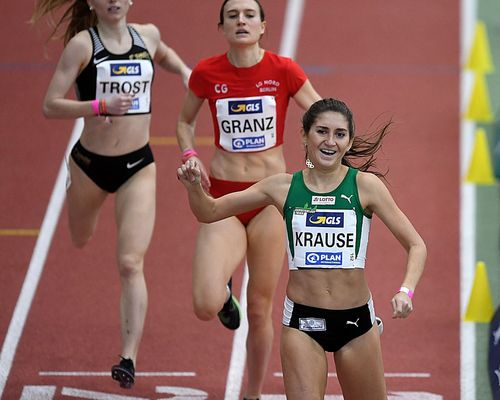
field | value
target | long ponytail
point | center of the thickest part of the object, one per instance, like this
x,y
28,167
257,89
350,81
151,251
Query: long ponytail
x,y
77,17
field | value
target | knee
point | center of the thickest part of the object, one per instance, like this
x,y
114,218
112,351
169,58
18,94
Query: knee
x,y
259,310
204,314
79,241
205,310
81,233
130,265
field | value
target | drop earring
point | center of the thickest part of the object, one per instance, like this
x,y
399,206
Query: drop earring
x,y
309,163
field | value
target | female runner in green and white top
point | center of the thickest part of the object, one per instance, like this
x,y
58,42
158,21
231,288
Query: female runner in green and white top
x,y
327,208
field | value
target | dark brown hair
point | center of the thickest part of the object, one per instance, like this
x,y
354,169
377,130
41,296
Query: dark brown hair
x,y
221,13
363,147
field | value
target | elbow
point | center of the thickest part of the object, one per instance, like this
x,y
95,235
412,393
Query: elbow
x,y
206,215
48,111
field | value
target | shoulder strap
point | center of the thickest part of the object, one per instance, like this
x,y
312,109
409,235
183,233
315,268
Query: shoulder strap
x,y
96,41
136,38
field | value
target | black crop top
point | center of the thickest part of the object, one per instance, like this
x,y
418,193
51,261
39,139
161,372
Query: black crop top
x,y
109,74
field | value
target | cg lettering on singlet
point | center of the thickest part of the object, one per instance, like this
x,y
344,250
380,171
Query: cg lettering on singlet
x,y
324,238
126,77
247,124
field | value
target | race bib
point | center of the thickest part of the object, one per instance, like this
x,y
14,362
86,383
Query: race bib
x,y
247,124
126,77
324,238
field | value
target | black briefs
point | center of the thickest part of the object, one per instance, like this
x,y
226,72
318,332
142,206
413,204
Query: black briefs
x,y
110,172
331,329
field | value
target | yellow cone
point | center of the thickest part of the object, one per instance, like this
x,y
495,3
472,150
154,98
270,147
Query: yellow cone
x,y
480,55
480,167
480,308
479,108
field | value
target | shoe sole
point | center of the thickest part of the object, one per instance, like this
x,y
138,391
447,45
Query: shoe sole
x,y
123,376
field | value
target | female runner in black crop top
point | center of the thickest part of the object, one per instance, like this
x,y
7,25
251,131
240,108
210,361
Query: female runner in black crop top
x,y
111,64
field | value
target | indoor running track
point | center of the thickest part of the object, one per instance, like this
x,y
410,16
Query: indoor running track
x,y
59,306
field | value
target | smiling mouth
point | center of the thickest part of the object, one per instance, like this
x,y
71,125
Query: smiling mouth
x,y
328,152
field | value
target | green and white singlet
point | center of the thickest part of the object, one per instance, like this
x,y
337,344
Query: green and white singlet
x,y
326,230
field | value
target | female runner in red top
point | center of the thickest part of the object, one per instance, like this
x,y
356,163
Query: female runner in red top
x,y
248,91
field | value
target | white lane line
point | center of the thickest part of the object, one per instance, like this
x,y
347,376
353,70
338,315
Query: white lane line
x,y
291,28
92,395
238,352
288,46
36,265
107,373
467,210
410,375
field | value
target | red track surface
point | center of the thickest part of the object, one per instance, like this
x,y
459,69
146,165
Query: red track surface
x,y
386,59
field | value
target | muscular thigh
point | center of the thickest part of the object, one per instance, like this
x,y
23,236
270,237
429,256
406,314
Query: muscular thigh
x,y
220,248
84,199
82,193
135,211
360,368
304,364
266,250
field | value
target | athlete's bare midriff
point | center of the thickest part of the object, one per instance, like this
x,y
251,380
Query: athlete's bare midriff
x,y
247,167
330,289
116,135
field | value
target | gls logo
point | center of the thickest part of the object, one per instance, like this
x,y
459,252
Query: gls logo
x,y
245,107
327,219
221,88
129,69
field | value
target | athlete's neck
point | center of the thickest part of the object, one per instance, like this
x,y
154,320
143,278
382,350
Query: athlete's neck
x,y
324,180
244,58
117,33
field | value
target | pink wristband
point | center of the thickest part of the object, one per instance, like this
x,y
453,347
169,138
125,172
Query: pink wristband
x,y
409,292
187,154
95,106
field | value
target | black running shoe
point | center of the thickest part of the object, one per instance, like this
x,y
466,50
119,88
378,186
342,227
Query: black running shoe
x,y
124,373
230,315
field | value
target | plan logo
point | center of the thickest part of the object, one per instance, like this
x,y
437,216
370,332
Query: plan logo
x,y
135,104
321,258
249,143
